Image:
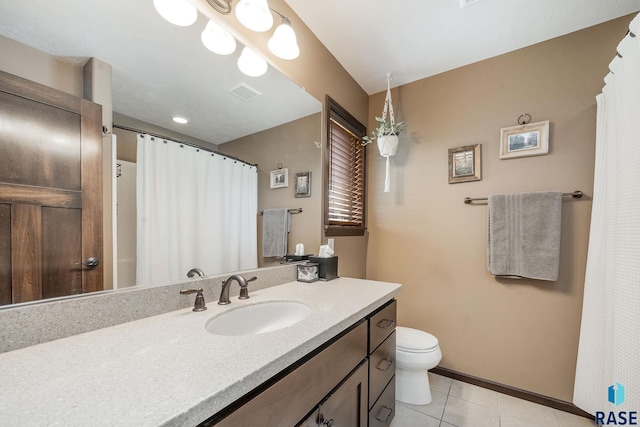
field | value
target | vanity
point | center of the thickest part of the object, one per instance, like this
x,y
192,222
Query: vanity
x,y
333,367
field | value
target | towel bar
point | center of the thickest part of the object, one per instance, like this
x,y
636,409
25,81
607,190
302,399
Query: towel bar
x,y
576,195
291,211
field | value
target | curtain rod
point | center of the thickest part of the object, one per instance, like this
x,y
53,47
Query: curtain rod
x,y
576,195
183,142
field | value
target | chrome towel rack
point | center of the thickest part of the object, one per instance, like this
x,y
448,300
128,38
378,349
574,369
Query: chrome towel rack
x,y
575,195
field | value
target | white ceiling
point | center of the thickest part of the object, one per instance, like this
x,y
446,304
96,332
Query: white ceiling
x,y
159,69
414,39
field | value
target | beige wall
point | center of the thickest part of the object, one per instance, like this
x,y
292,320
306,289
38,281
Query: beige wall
x,y
293,145
519,333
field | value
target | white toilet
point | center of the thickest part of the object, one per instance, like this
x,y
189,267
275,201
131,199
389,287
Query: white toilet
x,y
416,352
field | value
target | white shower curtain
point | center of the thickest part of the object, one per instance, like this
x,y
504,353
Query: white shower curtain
x,y
195,209
609,349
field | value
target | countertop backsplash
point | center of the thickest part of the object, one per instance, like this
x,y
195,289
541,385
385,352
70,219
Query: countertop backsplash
x,y
29,324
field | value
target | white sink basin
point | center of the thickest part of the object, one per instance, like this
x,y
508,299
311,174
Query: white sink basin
x,y
258,318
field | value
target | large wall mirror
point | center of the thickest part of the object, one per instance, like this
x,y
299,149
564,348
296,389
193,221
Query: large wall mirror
x,y
158,71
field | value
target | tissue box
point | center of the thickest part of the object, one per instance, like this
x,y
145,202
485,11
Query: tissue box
x,y
327,267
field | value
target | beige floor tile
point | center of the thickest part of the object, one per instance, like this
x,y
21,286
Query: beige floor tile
x,y
525,410
475,394
406,417
463,413
439,383
443,424
434,409
511,421
566,419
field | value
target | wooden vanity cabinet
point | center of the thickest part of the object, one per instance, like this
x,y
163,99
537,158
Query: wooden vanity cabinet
x,y
348,382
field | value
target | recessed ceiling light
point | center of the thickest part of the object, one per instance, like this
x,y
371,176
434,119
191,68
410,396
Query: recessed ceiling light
x,y
181,120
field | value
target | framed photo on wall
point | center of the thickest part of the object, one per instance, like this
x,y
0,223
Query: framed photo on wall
x,y
531,139
465,164
280,178
303,184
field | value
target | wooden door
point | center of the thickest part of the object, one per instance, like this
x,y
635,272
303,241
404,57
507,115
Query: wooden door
x,y
50,192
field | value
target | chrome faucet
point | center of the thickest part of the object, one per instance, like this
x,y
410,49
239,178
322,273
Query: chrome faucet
x,y
244,288
195,271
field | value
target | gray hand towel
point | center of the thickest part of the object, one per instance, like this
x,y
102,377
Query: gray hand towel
x,y
275,232
524,235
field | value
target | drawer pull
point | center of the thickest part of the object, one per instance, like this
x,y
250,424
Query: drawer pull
x,y
385,323
386,368
380,416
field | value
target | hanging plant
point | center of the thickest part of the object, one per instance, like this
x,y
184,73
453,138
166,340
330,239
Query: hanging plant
x,y
386,133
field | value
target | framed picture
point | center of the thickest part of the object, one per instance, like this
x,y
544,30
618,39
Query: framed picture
x,y
303,184
465,164
280,178
531,139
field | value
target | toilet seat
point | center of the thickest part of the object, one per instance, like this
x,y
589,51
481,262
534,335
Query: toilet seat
x,y
415,341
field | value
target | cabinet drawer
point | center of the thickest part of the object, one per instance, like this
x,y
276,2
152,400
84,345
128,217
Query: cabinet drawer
x,y
382,367
291,398
381,324
384,409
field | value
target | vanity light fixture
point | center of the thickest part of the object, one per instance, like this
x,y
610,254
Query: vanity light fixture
x,y
251,64
254,14
217,39
180,119
284,43
178,12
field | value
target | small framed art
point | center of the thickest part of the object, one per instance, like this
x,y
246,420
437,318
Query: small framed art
x,y
465,164
303,184
530,139
280,178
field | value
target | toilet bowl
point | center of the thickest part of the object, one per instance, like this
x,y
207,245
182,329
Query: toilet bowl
x,y
416,352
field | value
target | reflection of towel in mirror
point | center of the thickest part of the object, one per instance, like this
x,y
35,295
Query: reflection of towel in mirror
x,y
524,235
276,224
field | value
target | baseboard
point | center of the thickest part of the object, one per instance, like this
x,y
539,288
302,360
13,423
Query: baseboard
x,y
513,391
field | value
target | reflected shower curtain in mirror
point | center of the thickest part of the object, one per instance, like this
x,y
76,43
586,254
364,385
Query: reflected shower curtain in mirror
x,y
195,209
607,367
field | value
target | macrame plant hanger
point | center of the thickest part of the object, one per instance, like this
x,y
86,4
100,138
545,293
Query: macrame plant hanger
x,y
388,144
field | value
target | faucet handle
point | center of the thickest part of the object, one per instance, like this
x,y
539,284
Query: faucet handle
x,y
199,304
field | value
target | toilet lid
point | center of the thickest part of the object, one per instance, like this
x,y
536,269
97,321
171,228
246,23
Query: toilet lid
x,y
414,340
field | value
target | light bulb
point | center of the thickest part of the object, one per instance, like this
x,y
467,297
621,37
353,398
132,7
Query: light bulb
x,y
251,64
254,14
283,43
180,119
217,39
178,12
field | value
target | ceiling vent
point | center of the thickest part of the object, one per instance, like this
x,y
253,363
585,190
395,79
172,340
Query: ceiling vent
x,y
244,91
464,3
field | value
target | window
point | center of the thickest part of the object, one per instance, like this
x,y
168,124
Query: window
x,y
344,211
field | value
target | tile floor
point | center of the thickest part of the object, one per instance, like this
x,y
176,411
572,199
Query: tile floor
x,y
458,404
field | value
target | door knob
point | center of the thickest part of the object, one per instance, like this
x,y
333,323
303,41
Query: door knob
x,y
91,262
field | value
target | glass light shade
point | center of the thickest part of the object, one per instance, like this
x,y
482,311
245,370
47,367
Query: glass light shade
x,y
284,43
178,12
251,64
217,39
254,14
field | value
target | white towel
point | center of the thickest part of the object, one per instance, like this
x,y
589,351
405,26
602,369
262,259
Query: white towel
x,y
276,224
523,238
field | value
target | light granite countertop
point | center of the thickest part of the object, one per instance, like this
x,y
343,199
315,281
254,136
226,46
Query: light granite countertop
x,y
167,369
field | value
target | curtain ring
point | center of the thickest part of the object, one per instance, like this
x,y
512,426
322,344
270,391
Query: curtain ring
x,y
523,119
